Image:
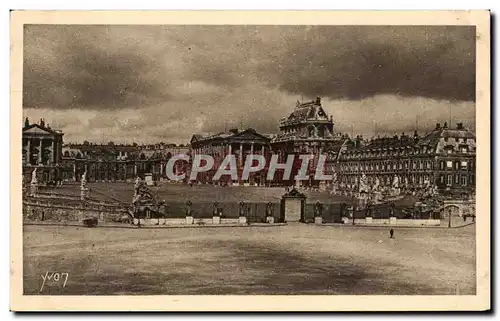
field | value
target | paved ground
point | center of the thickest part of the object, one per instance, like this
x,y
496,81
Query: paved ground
x,y
293,259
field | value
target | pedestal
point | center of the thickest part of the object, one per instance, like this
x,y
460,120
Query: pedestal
x,y
34,189
84,194
216,220
270,219
318,220
368,220
242,220
345,220
189,220
392,220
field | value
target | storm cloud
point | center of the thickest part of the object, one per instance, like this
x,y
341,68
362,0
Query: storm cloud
x,y
152,83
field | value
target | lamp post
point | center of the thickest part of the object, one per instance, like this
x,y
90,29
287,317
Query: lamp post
x,y
449,217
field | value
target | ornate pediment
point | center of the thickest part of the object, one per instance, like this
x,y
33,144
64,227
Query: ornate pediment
x,y
36,129
294,193
251,135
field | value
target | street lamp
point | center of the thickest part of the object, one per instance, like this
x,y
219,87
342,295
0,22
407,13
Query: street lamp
x,y
449,217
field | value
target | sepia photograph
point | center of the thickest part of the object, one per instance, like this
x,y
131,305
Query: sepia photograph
x,y
278,157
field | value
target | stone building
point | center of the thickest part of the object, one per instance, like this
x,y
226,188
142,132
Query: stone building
x,y
235,142
118,162
443,159
307,130
41,149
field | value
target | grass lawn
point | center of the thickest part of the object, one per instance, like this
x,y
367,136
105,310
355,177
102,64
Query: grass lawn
x,y
293,259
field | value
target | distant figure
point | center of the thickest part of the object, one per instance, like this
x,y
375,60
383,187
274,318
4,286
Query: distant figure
x,y
391,232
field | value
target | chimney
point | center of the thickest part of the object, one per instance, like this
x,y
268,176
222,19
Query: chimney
x,y
233,131
445,125
415,135
26,122
438,126
318,101
460,125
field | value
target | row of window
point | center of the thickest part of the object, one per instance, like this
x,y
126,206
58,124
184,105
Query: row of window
x,y
463,180
456,165
387,179
389,166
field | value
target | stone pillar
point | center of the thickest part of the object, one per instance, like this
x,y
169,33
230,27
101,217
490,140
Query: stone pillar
x,y
135,169
28,152
251,148
229,151
53,156
40,152
74,172
241,154
262,150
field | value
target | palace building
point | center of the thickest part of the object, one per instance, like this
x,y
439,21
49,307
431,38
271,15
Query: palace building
x,y
307,130
41,149
117,162
235,142
443,158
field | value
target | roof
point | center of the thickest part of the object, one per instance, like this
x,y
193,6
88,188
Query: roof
x,y
248,134
41,130
309,111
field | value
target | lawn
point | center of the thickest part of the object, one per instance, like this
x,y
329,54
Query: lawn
x,y
292,259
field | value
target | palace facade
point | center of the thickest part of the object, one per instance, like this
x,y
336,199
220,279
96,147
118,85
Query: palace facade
x,y
41,149
113,162
307,130
239,143
444,159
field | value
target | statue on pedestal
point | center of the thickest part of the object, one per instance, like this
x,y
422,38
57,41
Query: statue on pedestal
x,y
34,183
34,178
83,187
363,184
395,186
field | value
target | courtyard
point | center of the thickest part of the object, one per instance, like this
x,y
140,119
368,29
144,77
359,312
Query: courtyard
x,y
292,259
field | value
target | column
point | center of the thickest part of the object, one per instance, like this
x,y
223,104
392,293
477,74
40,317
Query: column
x,y
74,171
28,152
262,150
241,154
40,152
229,151
53,152
135,169
251,149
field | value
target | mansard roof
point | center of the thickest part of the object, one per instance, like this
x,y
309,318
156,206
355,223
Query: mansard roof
x,y
304,112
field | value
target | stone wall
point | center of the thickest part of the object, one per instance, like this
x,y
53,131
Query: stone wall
x,y
61,211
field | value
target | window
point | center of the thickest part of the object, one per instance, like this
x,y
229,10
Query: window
x,y
441,179
449,164
449,180
457,179
464,180
463,164
441,165
463,150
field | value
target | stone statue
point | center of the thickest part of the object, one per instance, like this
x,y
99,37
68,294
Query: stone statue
x,y
363,183
84,191
376,186
34,179
395,182
137,182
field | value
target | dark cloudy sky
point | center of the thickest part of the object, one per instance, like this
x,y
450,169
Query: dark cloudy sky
x,y
164,83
